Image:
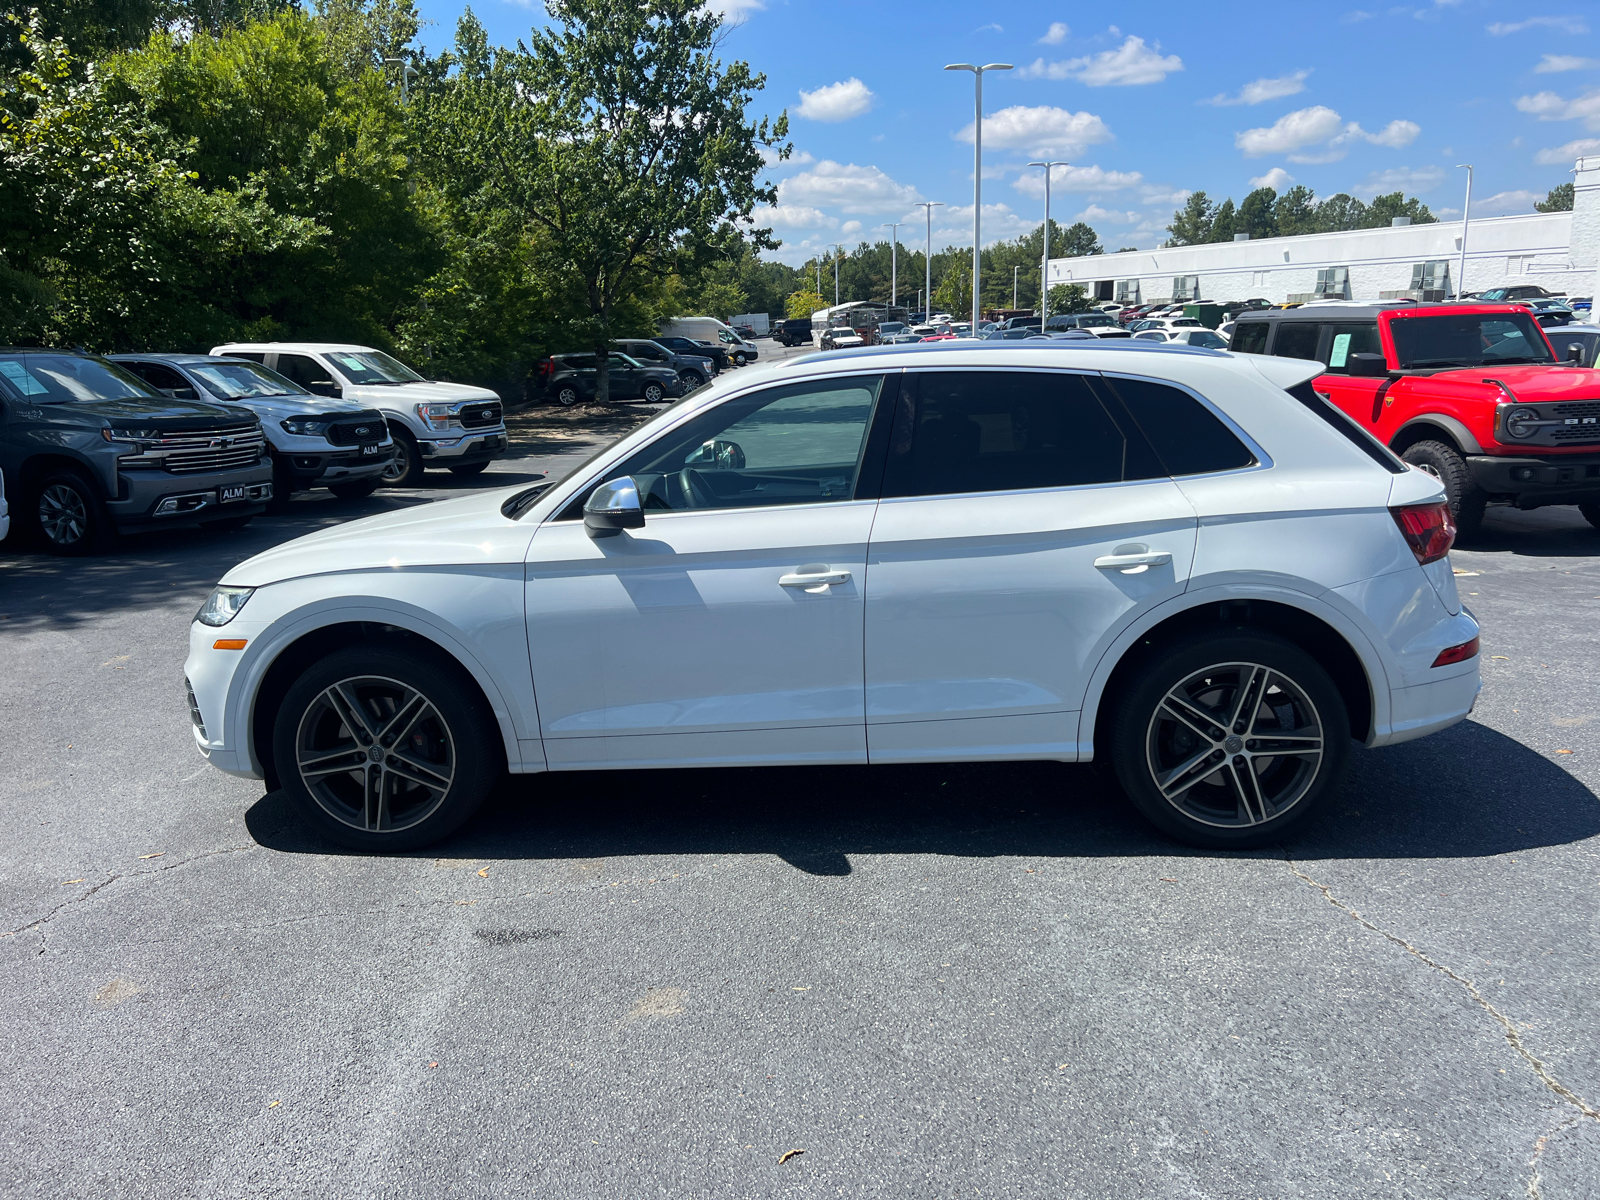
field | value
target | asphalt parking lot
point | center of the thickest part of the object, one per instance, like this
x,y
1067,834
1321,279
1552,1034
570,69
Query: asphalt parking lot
x,y
928,981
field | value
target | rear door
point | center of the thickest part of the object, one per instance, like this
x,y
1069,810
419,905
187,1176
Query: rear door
x,y
1025,520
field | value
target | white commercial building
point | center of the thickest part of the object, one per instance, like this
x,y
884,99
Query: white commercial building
x,y
1559,251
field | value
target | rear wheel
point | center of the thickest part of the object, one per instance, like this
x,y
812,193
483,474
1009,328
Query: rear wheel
x,y
68,514
405,468
384,749
567,395
1446,464
467,470
1229,740
1591,512
355,489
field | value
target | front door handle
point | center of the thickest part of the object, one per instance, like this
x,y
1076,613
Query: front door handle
x,y
1130,564
813,579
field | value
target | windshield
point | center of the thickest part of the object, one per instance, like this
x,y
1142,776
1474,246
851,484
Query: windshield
x,y
61,378
1094,321
244,380
373,366
1468,340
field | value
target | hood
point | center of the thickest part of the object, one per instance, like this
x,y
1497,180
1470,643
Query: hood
x,y
418,392
276,408
174,415
467,531
1530,382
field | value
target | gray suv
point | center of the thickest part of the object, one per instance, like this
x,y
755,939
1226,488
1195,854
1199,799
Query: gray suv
x,y
89,449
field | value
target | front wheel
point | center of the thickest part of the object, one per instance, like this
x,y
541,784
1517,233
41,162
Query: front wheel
x,y
1446,464
1230,739
652,393
405,468
384,749
739,359
68,514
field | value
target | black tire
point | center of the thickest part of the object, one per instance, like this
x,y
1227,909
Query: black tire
x,y
691,380
67,515
356,489
652,393
566,395
1591,512
405,468
282,484
738,358
453,741
1446,464
1202,806
468,470
227,524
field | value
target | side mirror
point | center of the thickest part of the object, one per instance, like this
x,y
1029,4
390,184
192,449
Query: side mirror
x,y
1368,366
1575,353
613,507
324,387
719,455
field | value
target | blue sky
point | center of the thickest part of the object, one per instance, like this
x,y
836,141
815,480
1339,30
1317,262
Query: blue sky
x,y
1171,99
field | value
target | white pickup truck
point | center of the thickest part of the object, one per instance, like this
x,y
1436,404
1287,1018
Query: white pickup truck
x,y
434,424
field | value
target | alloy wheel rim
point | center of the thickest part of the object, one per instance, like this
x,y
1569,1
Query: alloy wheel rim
x,y
63,515
567,397
375,754
1235,745
652,394
396,466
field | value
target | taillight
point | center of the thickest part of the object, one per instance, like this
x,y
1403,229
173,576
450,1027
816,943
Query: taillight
x,y
1429,530
1455,654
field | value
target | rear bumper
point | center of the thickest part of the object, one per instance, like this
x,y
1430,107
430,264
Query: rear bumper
x,y
1563,479
192,497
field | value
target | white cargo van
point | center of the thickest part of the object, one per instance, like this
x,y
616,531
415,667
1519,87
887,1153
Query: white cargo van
x,y
709,329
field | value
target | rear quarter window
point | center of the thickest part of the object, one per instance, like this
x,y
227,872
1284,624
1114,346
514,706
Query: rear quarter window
x,y
1250,337
1296,339
1187,436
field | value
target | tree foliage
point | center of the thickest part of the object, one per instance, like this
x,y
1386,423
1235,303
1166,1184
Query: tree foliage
x,y
1264,214
1069,298
1559,199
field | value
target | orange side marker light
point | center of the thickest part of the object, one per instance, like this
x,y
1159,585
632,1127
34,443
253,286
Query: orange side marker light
x,y
229,643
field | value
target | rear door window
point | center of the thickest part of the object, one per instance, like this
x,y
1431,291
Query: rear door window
x,y
304,370
1187,436
1296,339
1347,339
1250,337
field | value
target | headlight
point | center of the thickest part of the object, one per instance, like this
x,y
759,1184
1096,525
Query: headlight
x,y
306,426
223,605
435,416
1522,422
134,436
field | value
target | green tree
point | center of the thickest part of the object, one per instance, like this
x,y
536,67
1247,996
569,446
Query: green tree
x,y
1296,212
1224,222
1258,214
1191,224
1559,199
1384,209
953,293
1069,298
1078,241
803,304
1339,213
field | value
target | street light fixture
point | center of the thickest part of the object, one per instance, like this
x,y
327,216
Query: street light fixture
x,y
406,72
1044,266
977,171
1466,212
927,259
894,267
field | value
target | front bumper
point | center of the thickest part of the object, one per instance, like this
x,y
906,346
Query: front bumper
x,y
148,498
339,466
208,676
460,449
1537,481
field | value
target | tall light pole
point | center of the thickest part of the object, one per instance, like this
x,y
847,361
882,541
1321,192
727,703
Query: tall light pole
x,y
406,72
839,246
977,172
1044,265
894,266
1466,212
927,259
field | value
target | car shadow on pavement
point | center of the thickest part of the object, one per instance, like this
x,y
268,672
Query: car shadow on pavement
x,y
1555,532
1468,792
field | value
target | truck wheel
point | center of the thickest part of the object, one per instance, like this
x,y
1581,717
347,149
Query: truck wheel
x,y
1591,512
1229,738
405,468
68,515
1446,464
691,380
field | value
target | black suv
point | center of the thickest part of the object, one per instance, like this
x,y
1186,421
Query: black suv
x,y
573,377
683,345
796,331
693,370
89,449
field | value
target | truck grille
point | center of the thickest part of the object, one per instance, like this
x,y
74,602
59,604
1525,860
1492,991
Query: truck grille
x,y
358,428
1582,422
194,451
477,416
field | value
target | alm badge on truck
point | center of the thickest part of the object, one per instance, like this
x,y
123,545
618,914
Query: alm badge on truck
x,y
234,491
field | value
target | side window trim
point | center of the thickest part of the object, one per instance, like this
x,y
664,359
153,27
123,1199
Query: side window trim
x,y
1263,459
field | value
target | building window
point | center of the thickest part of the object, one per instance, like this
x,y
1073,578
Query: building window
x,y
1258,279
1128,291
1333,283
1430,280
1519,264
1185,288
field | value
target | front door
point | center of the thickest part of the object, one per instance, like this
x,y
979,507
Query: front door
x,y
1025,521
729,628
1367,399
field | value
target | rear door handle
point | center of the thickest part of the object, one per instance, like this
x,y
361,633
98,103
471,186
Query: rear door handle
x,y
813,581
1132,562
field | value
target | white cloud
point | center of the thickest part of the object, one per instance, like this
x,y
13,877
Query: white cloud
x,y
1395,135
990,27
1274,179
999,224
1355,16
797,159
1056,34
1131,63
1158,195
1075,179
1303,127
792,216
1563,155
1552,64
1095,213
1563,24
1548,106
1040,130
734,12
836,102
847,186
1263,90
1400,179
1503,203
850,227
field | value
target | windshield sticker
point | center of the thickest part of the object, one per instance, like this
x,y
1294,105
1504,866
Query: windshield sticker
x,y
18,374
349,362
1340,351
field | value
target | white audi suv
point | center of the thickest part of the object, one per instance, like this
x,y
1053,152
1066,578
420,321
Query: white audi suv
x,y
1180,560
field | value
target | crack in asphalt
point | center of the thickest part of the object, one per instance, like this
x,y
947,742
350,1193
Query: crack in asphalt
x,y
1512,1036
41,922
1539,1148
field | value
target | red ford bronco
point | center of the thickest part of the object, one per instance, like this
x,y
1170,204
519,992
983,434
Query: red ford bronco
x,y
1471,393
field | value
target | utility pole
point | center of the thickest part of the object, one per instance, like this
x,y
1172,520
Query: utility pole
x,y
1014,271
839,246
894,267
1466,212
927,259
977,173
1044,263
